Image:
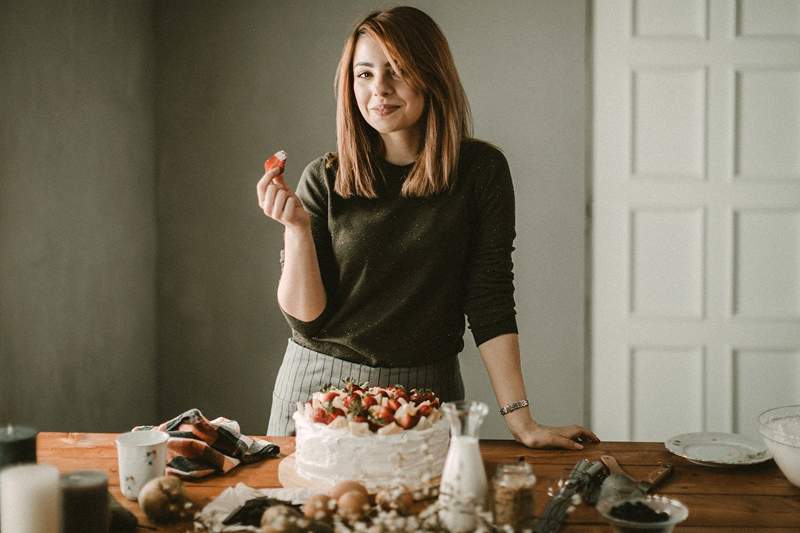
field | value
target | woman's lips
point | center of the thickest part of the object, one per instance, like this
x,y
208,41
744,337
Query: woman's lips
x,y
385,110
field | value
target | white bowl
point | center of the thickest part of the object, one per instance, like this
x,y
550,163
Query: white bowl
x,y
677,512
780,429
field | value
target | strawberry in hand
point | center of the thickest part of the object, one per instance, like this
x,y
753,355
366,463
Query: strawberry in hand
x,y
276,160
276,199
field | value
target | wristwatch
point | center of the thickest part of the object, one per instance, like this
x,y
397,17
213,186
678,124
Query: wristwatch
x,y
513,406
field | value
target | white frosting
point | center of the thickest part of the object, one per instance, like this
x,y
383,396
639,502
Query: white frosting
x,y
409,457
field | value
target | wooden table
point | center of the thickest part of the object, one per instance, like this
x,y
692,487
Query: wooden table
x,y
754,498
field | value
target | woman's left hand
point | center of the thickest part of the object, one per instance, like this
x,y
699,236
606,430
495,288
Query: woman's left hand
x,y
533,435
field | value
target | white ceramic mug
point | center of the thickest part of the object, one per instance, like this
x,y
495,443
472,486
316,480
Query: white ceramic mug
x,y
142,456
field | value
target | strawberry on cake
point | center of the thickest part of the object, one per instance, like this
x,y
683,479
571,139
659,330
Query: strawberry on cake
x,y
379,436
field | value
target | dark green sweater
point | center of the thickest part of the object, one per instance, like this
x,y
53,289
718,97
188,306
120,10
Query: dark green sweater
x,y
401,273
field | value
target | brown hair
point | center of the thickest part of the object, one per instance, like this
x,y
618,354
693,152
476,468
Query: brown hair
x,y
416,48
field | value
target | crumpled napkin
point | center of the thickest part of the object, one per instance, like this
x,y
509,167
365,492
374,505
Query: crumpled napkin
x,y
211,517
198,447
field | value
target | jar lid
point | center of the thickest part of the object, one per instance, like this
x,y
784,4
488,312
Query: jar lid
x,y
519,467
514,475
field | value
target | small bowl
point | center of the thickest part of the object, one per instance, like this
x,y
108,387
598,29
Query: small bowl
x,y
677,512
780,429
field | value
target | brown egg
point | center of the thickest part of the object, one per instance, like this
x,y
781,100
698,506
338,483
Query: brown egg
x,y
400,500
319,507
346,486
352,505
404,502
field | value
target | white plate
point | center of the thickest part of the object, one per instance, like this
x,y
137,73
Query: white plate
x,y
718,449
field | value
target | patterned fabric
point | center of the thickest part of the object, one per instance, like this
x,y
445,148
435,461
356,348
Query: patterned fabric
x,y
198,447
305,371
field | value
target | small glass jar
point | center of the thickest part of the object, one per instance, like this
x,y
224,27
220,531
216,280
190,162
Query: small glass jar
x,y
513,495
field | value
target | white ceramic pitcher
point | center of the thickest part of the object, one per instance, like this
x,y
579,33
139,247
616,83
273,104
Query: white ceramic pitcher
x,y
463,487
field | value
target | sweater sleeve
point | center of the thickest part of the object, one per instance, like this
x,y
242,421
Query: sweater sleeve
x,y
489,303
313,192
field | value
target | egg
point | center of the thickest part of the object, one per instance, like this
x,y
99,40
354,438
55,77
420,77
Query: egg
x,y
319,507
352,505
403,502
400,500
346,486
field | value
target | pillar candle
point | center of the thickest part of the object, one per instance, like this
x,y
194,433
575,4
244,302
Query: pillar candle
x,y
30,501
84,497
17,445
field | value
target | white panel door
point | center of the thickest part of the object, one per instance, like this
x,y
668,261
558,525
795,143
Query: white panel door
x,y
696,215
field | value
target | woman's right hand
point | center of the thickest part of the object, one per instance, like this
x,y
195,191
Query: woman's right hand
x,y
280,203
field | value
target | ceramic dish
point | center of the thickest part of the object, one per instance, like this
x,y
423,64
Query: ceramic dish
x,y
718,449
677,512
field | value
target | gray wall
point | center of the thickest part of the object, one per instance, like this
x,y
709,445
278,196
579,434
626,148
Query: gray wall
x,y
98,332
77,215
237,81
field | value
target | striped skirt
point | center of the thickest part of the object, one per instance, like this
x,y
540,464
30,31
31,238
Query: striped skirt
x,y
305,371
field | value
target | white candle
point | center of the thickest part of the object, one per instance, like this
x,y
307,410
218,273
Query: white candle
x,y
31,499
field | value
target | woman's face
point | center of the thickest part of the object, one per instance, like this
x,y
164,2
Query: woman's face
x,y
386,102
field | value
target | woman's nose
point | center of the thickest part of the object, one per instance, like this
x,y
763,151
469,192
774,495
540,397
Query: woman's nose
x,y
381,87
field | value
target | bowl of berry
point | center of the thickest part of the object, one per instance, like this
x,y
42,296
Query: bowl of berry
x,y
650,513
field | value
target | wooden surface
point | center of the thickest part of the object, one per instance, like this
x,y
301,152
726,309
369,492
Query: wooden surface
x,y
753,498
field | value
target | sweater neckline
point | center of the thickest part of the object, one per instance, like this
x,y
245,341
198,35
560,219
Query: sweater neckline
x,y
395,170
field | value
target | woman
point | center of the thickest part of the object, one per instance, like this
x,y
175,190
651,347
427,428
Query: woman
x,y
392,241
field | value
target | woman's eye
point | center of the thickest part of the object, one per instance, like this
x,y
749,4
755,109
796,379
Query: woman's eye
x,y
367,74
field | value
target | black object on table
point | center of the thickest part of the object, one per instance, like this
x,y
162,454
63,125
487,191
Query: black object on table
x,y
17,445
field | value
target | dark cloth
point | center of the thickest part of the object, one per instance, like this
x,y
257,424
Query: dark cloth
x,y
198,447
401,273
